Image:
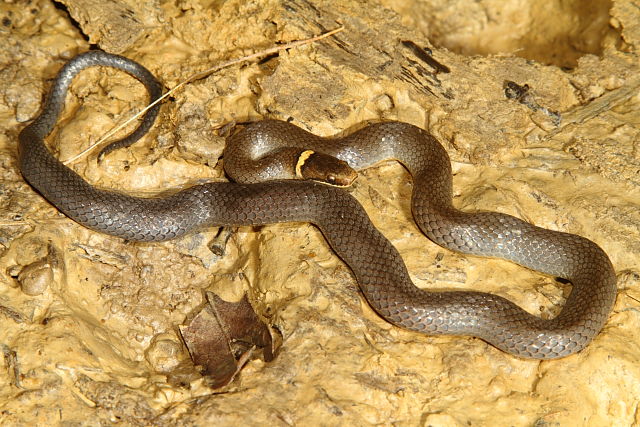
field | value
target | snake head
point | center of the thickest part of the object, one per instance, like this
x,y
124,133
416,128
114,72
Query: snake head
x,y
324,168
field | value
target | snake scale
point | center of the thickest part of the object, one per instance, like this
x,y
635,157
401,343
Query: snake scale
x,y
376,264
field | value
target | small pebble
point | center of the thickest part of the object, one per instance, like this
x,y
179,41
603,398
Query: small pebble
x,y
164,355
35,277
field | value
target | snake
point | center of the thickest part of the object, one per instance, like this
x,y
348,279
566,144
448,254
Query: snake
x,y
375,263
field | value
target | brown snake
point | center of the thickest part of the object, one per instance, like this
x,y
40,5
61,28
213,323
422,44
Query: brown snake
x,y
376,264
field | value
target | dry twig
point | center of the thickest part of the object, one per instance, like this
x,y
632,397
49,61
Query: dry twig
x,y
199,76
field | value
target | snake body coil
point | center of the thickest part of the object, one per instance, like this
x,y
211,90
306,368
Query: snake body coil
x,y
376,264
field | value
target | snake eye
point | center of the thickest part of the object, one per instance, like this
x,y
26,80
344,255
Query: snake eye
x,y
331,179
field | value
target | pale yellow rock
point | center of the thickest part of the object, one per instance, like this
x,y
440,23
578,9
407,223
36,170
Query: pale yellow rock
x,y
35,278
165,353
99,345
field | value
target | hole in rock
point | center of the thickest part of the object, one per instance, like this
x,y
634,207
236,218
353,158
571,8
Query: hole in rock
x,y
554,32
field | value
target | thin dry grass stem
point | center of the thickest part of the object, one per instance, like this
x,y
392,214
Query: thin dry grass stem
x,y
199,76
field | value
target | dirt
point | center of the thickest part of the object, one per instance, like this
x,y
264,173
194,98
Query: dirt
x,y
89,323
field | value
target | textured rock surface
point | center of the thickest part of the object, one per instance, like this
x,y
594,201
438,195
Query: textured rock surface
x,y
96,343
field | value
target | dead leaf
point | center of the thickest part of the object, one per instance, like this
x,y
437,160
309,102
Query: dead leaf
x,y
224,336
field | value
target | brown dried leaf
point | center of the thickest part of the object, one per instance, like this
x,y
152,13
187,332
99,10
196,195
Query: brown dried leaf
x,y
223,336
209,348
242,324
